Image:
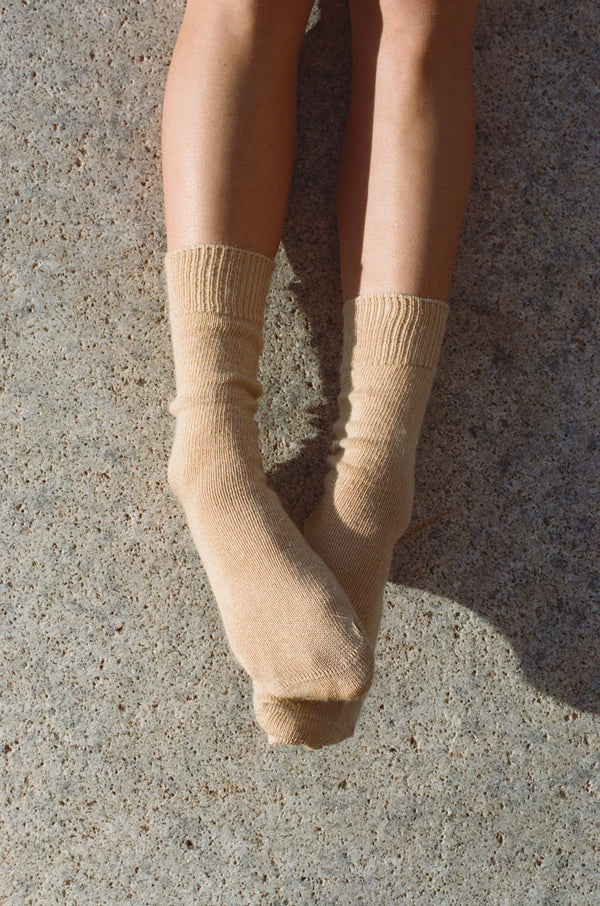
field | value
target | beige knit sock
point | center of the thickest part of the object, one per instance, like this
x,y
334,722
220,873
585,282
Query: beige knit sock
x,y
287,620
391,347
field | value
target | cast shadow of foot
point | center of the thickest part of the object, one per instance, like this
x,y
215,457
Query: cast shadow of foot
x,y
310,245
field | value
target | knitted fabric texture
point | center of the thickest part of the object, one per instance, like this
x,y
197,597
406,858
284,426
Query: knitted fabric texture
x,y
391,348
287,620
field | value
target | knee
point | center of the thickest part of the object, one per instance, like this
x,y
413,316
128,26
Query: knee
x,y
420,29
248,18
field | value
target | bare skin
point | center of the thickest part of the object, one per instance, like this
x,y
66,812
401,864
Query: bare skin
x,y
407,161
229,122
229,131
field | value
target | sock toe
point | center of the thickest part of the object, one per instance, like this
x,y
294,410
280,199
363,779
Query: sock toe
x,y
294,722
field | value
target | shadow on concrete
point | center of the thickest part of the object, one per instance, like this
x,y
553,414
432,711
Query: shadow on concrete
x,y
310,238
505,520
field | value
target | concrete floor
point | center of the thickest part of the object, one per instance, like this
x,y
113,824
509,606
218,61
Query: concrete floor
x,y
132,770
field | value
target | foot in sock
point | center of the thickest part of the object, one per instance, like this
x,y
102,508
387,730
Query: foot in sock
x,y
287,619
391,347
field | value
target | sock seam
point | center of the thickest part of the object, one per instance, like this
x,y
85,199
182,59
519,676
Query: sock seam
x,y
394,294
358,360
320,674
226,316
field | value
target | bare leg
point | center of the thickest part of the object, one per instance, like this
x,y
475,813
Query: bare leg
x,y
229,122
407,160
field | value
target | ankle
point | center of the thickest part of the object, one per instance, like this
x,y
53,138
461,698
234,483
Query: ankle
x,y
214,480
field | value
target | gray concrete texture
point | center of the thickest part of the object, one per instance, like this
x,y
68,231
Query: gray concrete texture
x,y
132,770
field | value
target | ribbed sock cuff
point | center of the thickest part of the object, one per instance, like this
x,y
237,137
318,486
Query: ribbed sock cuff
x,y
221,279
393,329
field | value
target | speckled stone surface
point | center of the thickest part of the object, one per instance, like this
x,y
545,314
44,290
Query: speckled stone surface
x,y
131,768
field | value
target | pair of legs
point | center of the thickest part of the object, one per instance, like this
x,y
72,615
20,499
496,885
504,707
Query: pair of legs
x,y
303,617
229,132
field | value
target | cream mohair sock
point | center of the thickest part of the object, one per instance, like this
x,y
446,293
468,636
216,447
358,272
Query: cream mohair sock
x,y
391,348
287,620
